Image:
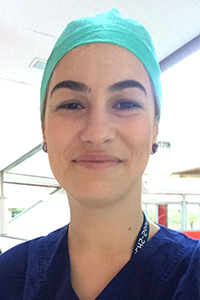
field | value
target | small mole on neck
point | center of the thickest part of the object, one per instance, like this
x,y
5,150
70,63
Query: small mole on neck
x,y
129,228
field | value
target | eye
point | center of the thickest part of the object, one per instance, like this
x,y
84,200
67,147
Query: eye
x,y
126,105
71,105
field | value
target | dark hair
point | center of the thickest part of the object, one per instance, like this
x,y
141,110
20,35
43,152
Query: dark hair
x,y
43,108
156,104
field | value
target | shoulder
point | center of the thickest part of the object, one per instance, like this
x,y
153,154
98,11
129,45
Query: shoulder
x,y
18,255
176,260
186,248
15,263
173,245
172,237
176,239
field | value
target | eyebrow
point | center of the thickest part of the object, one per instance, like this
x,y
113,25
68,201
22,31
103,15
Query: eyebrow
x,y
82,87
119,86
72,85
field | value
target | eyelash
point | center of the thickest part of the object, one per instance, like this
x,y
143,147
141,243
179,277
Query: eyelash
x,y
73,105
126,105
122,105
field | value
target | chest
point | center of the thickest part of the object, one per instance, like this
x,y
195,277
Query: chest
x,y
89,277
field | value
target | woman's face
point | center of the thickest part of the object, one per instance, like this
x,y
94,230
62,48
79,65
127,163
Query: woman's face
x,y
99,123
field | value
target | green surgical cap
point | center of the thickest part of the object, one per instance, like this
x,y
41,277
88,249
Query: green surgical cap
x,y
108,27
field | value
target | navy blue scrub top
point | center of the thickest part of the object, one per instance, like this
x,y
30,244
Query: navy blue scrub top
x,y
166,268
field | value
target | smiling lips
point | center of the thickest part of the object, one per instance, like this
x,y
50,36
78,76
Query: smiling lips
x,y
97,161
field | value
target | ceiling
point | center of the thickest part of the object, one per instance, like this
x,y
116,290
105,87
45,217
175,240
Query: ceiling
x,y
28,30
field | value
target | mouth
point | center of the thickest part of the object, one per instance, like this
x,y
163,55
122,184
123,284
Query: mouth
x,y
97,161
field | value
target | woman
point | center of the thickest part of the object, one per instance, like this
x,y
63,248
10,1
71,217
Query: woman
x,y
100,108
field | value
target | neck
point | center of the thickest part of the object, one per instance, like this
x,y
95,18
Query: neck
x,y
114,228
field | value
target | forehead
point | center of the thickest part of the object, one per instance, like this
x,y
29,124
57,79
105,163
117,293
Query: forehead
x,y
100,61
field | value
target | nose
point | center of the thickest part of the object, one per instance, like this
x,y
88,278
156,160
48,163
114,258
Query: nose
x,y
98,128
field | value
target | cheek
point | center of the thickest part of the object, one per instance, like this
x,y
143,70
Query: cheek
x,y
138,134
145,134
54,135
59,140
59,136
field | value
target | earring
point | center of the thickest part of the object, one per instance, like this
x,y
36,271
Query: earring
x,y
44,147
154,148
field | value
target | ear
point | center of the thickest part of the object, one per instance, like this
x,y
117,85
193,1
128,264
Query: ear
x,y
43,132
154,135
155,131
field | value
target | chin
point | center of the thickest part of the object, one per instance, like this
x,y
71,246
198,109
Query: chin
x,y
92,196
99,196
